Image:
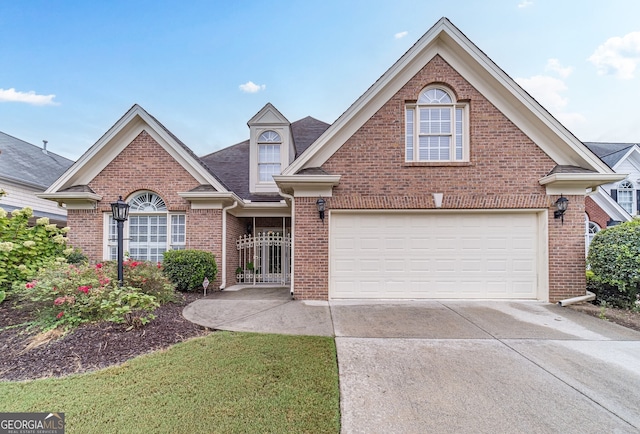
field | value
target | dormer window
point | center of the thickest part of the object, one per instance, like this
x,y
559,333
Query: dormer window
x,y
436,127
271,149
269,164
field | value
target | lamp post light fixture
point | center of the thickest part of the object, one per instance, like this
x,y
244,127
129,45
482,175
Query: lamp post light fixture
x,y
561,206
120,211
321,205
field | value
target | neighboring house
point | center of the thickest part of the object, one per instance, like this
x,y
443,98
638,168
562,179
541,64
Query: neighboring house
x,y
615,202
438,182
26,170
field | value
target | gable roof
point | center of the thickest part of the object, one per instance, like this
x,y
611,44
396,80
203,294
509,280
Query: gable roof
x,y
502,91
136,119
232,164
610,153
27,164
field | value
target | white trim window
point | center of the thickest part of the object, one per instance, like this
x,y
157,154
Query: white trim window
x,y
592,228
269,164
147,232
436,128
626,195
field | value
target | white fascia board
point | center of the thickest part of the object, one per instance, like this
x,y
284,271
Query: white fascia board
x,y
73,199
122,133
632,151
610,206
209,199
491,81
516,104
308,185
262,209
577,183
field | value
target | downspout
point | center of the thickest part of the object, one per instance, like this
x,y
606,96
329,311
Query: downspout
x,y
293,230
588,297
224,243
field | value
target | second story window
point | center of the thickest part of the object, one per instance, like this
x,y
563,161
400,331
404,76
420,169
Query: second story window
x,y
269,144
436,128
626,196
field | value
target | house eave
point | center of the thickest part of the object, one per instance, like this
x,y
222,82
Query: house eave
x,y
307,185
73,200
577,183
209,199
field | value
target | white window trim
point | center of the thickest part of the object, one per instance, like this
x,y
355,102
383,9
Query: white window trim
x,y
416,128
255,185
108,244
631,190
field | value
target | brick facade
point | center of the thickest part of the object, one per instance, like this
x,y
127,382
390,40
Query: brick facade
x,y
503,173
145,165
595,213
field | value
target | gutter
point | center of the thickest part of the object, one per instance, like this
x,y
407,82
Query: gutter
x,y
588,297
223,285
293,231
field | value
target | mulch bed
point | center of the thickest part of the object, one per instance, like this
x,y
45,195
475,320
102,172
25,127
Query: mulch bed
x,y
90,346
623,317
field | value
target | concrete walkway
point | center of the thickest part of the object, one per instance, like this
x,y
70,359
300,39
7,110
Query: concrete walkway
x,y
457,366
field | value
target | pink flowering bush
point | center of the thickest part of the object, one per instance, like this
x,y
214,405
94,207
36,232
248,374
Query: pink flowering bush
x,y
147,276
68,295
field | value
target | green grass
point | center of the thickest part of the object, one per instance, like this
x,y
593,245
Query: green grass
x,y
223,383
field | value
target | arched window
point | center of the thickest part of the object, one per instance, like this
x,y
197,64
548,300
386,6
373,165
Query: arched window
x,y
591,229
435,127
625,195
151,229
269,144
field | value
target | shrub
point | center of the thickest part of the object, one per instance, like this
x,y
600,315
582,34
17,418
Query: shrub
x,y
77,257
187,269
614,259
145,275
24,249
68,295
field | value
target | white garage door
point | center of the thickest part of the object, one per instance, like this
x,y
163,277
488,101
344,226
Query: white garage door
x,y
418,255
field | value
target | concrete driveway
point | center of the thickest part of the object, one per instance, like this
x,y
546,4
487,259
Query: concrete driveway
x,y
458,366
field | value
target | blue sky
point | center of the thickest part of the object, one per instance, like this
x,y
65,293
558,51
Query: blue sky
x,y
70,69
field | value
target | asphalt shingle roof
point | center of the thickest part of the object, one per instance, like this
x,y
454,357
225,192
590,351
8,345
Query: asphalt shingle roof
x,y
610,153
231,165
26,163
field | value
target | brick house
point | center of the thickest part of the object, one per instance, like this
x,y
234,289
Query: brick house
x,y
606,206
438,182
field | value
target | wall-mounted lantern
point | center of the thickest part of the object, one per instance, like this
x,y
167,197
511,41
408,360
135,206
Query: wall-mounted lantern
x,y
321,205
561,206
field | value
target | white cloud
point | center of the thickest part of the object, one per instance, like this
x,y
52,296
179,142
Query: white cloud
x,y
618,55
548,92
400,35
525,4
555,66
11,95
251,87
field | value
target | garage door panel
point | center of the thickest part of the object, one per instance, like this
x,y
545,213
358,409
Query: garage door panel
x,y
413,255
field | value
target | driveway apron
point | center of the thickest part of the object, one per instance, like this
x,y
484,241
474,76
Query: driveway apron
x,y
484,367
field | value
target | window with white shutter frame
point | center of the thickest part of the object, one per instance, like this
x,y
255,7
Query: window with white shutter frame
x,y
626,196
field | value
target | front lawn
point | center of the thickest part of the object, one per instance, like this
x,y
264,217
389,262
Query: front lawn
x,y
222,383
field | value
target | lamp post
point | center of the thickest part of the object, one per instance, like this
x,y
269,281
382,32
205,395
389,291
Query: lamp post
x,y
120,211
